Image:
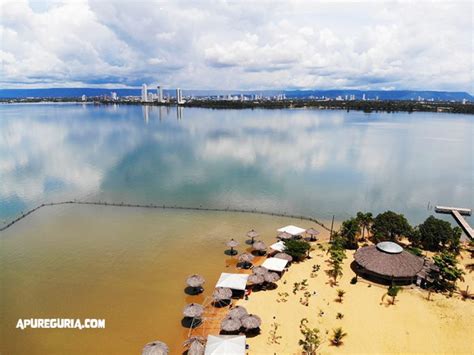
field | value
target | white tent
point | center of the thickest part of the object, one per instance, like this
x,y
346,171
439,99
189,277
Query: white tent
x,y
225,345
279,246
293,230
233,281
275,264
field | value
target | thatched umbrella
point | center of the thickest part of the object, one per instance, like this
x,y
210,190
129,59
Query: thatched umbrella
x,y
312,233
271,277
255,279
259,246
222,294
229,324
283,256
232,244
284,236
195,345
246,258
237,312
193,310
252,235
195,281
251,321
155,348
259,270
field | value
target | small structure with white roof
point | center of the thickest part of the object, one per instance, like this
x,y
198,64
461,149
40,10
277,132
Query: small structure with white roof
x,y
233,281
225,345
278,246
293,230
275,264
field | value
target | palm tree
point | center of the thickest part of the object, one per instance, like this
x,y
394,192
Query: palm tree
x,y
365,220
337,336
340,294
392,292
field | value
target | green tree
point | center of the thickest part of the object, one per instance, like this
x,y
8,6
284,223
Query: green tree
x,y
435,234
393,292
390,226
337,256
445,279
298,249
365,220
348,233
340,294
311,340
337,336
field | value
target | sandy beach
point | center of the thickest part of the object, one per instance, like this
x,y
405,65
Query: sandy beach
x,y
413,325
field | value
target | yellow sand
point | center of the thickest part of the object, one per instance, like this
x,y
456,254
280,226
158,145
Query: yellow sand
x,y
412,325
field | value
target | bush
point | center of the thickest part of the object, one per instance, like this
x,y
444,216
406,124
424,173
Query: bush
x,y
390,226
298,249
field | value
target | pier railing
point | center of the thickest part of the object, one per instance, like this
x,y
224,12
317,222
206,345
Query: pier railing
x,y
163,206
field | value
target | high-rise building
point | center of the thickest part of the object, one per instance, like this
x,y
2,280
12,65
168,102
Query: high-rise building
x,y
159,92
144,93
179,96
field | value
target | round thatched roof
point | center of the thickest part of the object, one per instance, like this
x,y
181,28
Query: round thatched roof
x,y
246,258
155,348
400,264
232,243
195,345
255,279
252,234
251,321
193,310
284,235
230,324
283,256
260,246
237,312
271,277
259,270
195,280
222,293
312,231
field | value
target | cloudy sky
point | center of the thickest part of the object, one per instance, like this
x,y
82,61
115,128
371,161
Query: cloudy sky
x,y
237,44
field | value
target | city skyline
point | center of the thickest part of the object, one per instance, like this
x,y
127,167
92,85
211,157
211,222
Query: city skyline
x,y
227,45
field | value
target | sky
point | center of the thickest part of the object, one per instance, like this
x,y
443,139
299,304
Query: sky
x,y
237,44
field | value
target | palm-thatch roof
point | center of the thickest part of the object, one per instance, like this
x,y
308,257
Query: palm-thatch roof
x,y
246,258
155,348
283,256
252,234
255,279
284,235
222,293
195,281
237,312
195,345
259,270
271,277
251,321
260,246
399,265
193,310
232,243
312,231
229,324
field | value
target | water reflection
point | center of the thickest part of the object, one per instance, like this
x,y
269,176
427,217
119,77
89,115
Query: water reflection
x,y
305,161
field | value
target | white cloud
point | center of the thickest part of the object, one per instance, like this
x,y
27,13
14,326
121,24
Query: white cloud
x,y
238,45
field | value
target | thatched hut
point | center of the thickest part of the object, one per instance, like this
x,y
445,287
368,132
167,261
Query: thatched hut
x,y
387,262
252,234
246,259
256,279
284,256
237,312
312,233
251,322
259,270
193,310
156,348
230,324
284,236
232,244
271,277
195,345
222,294
260,247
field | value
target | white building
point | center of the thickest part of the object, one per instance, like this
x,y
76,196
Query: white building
x,y
159,93
84,98
179,96
363,97
113,95
144,93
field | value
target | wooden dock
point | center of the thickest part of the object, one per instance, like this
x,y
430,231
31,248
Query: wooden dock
x,y
458,214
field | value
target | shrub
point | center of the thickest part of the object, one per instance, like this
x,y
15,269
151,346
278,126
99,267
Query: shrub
x,y
298,249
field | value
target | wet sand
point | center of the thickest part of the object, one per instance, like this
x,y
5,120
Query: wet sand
x,y
126,265
412,325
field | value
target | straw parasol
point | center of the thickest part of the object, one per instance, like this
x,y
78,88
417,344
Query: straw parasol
x,y
232,244
255,279
312,232
229,324
252,235
195,281
246,258
195,345
193,310
259,270
222,293
284,235
259,246
271,277
155,348
284,256
237,312
251,321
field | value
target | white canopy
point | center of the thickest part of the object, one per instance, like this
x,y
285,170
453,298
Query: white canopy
x,y
233,281
279,246
293,230
225,345
275,264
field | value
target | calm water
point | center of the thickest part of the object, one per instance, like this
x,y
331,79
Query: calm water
x,y
312,162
